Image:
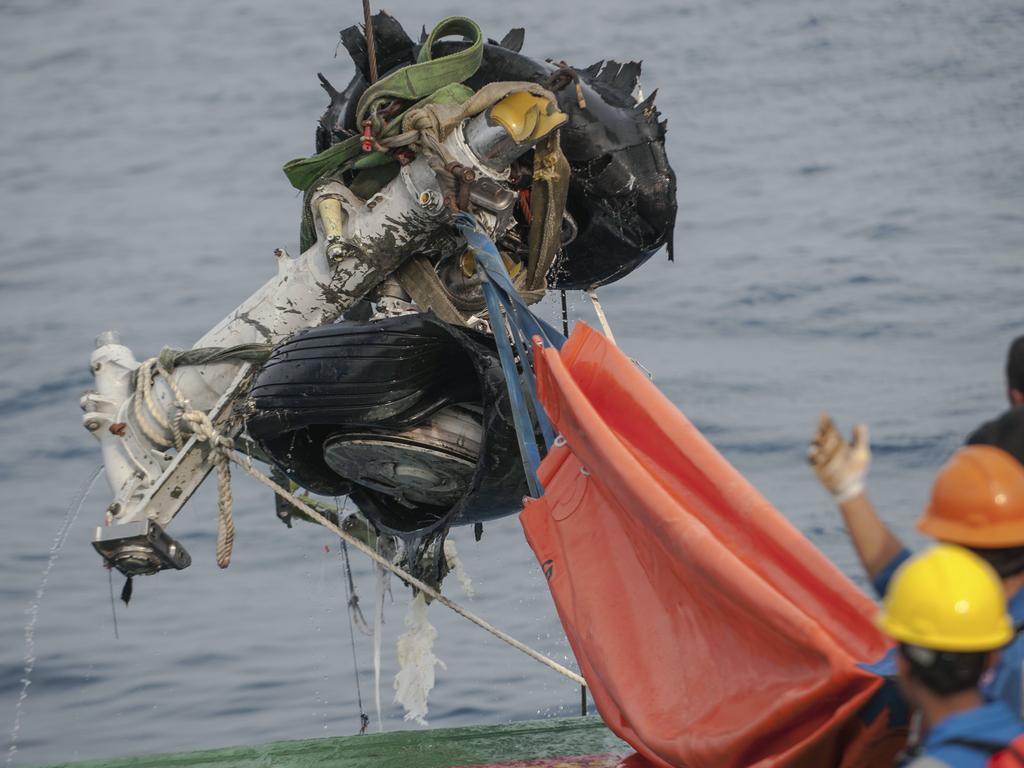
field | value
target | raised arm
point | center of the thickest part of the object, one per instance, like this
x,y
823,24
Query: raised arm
x,y
841,467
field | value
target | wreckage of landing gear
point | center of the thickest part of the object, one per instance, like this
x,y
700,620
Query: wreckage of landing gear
x,y
368,366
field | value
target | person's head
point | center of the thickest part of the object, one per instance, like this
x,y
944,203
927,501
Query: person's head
x,y
947,610
977,502
1015,372
1006,432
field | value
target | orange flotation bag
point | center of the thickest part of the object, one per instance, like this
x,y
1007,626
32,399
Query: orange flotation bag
x,y
711,633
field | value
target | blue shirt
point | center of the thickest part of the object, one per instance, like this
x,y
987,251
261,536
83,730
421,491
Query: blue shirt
x,y
1003,681
992,723
881,581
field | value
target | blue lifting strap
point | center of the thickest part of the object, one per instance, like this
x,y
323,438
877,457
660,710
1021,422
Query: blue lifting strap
x,y
523,326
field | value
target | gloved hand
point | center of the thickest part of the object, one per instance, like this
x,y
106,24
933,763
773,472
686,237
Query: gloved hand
x,y
840,466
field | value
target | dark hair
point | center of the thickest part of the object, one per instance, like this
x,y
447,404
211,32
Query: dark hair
x,y
1006,432
1015,364
944,672
1007,561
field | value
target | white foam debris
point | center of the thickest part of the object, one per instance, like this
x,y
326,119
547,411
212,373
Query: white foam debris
x,y
451,554
416,659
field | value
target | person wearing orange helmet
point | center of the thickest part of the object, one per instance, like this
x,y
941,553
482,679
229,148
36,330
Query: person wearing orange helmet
x,y
977,502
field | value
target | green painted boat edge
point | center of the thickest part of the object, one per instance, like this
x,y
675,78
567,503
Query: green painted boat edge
x,y
431,748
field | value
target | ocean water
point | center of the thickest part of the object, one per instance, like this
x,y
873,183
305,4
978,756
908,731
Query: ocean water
x,y
850,238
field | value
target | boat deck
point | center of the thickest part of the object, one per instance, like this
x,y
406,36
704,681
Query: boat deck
x,y
580,742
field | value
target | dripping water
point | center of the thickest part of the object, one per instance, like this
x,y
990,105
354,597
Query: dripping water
x,y
33,610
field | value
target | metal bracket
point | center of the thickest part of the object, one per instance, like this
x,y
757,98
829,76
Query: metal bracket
x,y
140,548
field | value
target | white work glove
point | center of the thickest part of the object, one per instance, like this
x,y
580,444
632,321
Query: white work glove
x,y
840,466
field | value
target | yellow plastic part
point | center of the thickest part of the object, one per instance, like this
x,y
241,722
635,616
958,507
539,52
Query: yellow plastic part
x,y
947,599
469,265
329,209
527,117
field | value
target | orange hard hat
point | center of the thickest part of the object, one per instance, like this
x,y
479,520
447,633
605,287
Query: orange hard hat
x,y
977,500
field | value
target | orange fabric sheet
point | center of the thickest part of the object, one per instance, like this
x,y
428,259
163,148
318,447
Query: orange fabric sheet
x,y
710,631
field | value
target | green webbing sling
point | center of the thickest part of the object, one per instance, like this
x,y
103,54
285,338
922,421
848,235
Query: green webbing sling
x,y
428,81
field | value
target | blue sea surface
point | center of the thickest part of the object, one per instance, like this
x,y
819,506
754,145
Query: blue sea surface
x,y
850,238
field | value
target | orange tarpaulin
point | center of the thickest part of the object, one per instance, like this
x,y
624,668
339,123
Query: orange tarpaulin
x,y
710,631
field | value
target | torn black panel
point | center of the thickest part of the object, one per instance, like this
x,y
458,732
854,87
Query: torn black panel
x,y
513,41
622,192
393,45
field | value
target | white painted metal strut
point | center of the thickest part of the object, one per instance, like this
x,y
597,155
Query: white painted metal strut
x,y
359,243
150,482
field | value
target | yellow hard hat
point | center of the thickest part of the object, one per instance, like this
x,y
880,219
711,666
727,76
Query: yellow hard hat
x,y
947,599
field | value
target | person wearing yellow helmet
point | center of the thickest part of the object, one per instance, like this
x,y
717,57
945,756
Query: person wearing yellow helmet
x,y
977,501
946,609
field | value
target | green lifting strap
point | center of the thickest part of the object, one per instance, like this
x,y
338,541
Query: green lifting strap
x,y
304,174
303,171
428,74
429,81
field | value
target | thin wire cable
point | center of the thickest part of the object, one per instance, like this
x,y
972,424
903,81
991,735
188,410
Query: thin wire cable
x,y
223,454
113,602
364,719
404,575
350,588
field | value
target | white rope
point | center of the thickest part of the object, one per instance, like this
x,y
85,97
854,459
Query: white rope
x,y
200,425
221,447
148,412
592,293
223,453
404,575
